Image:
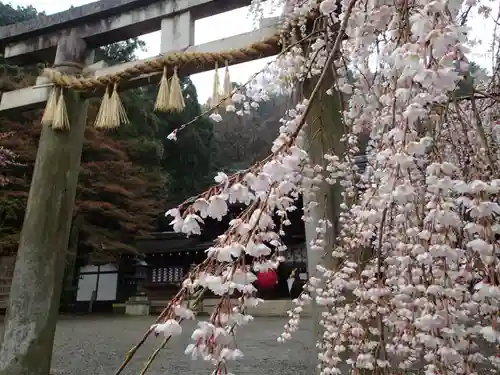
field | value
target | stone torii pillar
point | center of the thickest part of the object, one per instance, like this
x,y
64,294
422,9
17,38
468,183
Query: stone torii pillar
x,y
37,280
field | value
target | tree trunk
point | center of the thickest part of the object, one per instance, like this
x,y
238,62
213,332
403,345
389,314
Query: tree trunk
x,y
36,286
324,130
323,134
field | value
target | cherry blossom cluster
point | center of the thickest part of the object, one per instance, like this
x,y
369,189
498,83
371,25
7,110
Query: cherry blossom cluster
x,y
423,227
410,277
268,190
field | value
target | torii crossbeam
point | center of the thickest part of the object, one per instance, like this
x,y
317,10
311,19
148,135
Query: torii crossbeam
x,y
108,21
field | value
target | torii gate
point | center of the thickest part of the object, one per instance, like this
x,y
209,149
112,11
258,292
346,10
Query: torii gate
x,y
69,38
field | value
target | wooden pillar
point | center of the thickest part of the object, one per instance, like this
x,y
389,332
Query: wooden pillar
x,y
36,286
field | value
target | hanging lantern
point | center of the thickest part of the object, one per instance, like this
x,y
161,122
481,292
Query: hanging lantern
x,y
267,279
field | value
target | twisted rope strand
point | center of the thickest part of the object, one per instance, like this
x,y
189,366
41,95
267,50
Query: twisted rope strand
x,y
156,65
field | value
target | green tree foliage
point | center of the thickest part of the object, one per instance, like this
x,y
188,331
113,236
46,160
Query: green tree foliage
x,y
465,85
10,15
121,51
240,141
12,77
186,161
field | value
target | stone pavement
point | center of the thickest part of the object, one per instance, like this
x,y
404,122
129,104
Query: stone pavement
x,y
96,345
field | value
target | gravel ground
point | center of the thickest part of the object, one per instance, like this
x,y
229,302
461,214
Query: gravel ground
x,y
94,345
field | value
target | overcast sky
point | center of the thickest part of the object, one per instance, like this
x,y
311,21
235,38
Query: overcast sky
x,y
238,21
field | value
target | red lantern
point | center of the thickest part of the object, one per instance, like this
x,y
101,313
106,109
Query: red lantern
x,y
267,279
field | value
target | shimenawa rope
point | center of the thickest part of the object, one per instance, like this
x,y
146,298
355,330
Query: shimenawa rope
x,y
156,65
111,113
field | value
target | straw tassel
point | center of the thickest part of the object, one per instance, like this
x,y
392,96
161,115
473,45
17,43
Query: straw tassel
x,y
50,108
119,116
216,90
60,120
228,89
163,93
111,113
102,120
176,100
